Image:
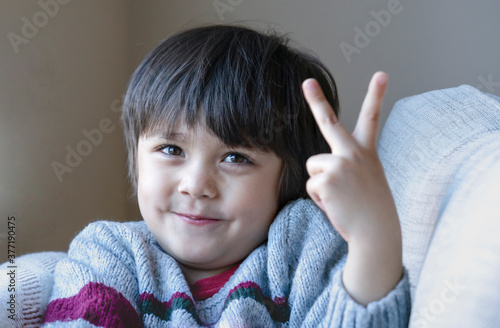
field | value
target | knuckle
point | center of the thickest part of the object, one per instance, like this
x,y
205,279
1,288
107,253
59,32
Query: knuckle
x,y
338,169
373,116
310,186
358,156
318,96
310,165
327,178
338,165
310,161
315,160
329,119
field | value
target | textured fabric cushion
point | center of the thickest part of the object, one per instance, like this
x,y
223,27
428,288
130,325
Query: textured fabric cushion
x,y
459,284
33,283
441,154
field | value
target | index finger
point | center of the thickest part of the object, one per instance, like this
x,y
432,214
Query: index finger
x,y
334,133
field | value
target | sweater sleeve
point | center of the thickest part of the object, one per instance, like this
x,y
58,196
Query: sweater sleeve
x,y
316,256
393,310
33,284
96,285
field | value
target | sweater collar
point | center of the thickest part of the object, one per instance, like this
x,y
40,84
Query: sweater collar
x,y
208,287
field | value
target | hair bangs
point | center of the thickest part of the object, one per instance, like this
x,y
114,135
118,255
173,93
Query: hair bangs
x,y
220,87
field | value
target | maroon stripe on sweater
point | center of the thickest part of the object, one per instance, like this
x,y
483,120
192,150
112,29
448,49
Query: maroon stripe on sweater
x,y
96,303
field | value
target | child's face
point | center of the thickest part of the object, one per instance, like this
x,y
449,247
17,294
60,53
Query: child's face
x,y
192,173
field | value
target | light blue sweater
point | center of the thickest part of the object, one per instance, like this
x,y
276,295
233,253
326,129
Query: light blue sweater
x,y
116,275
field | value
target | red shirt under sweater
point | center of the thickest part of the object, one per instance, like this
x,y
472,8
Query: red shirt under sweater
x,y
208,287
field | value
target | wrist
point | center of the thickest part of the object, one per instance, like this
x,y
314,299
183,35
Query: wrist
x,y
373,267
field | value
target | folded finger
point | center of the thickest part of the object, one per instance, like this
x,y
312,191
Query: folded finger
x,y
318,163
313,186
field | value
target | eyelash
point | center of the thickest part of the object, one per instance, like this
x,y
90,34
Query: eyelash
x,y
246,160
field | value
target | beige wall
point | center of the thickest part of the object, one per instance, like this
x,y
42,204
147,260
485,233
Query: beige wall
x,y
58,81
67,77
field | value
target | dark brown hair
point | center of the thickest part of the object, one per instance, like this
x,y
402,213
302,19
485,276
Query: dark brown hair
x,y
244,85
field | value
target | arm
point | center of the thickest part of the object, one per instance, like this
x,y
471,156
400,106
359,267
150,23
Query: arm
x,y
349,185
34,278
95,284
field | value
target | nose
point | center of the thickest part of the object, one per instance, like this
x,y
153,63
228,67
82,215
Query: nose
x,y
198,181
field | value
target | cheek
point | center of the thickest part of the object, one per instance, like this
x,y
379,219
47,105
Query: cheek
x,y
154,188
257,200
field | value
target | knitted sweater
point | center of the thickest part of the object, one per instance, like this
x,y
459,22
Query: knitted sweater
x,y
33,283
117,275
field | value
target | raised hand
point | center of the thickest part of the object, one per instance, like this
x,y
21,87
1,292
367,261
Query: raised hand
x,y
350,186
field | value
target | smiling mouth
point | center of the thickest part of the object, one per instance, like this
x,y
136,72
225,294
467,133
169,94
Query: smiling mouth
x,y
195,219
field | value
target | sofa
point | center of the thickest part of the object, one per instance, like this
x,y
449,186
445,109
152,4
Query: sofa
x,y
441,155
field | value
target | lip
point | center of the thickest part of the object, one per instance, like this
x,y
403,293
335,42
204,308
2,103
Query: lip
x,y
196,219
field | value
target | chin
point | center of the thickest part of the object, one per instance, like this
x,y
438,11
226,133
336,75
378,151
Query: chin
x,y
198,260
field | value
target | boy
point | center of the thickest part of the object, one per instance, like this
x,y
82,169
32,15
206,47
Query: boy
x,y
221,145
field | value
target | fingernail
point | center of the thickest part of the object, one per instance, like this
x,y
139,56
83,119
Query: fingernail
x,y
382,78
310,85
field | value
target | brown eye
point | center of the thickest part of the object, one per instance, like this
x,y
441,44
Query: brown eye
x,y
236,158
172,150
